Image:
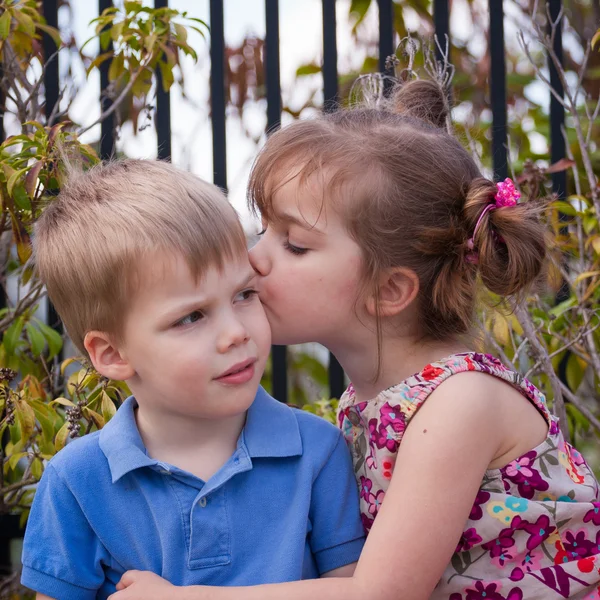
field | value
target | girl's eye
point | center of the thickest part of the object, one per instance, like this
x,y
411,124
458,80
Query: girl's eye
x,y
193,317
294,249
262,231
245,295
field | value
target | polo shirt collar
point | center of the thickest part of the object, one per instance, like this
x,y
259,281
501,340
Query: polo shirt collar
x,y
271,430
122,444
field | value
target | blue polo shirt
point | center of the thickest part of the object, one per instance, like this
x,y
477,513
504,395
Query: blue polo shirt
x,y
284,507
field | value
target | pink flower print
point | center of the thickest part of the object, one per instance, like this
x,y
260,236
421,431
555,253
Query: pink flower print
x,y
501,543
538,531
554,427
468,539
520,467
365,487
484,591
577,545
532,561
476,512
521,472
381,436
375,501
504,557
392,417
577,457
515,594
593,515
430,372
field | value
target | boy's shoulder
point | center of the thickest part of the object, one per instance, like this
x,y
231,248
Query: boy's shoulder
x,y
78,456
286,422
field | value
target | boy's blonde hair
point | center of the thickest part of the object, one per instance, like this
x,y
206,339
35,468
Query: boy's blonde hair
x,y
89,240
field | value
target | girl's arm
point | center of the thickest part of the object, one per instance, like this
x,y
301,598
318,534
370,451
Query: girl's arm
x,y
441,462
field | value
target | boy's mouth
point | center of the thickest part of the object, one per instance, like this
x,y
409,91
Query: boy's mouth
x,y
241,372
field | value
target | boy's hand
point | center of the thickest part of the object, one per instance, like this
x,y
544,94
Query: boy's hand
x,y
143,585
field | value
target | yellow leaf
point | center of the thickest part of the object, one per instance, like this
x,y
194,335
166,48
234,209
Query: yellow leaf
x,y
5,24
26,418
595,38
585,275
108,407
61,437
596,244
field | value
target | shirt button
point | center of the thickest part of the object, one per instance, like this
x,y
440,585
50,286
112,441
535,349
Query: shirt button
x,y
202,502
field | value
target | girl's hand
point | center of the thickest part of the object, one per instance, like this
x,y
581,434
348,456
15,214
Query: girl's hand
x,y
143,585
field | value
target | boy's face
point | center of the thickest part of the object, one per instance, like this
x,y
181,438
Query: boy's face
x,y
198,348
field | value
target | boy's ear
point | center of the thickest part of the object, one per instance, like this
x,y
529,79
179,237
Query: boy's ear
x,y
398,287
106,357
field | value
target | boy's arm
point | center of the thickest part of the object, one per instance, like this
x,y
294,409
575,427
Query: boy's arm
x,y
42,597
337,535
62,556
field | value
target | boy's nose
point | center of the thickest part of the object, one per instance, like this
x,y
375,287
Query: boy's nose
x,y
259,259
234,333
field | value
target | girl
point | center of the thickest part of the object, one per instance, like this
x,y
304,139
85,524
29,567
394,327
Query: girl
x,y
378,227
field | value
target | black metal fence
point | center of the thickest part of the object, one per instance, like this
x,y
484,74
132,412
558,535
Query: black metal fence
x,y
9,528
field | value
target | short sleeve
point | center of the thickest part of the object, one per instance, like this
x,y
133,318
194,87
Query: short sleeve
x,y
62,556
337,535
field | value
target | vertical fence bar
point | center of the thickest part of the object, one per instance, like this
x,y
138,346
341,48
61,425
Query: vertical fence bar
x,y
386,39
51,91
330,94
330,75
163,108
51,83
441,22
217,92
557,111
107,128
273,84
498,91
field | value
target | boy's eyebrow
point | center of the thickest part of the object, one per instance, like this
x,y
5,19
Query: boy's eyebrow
x,y
285,216
175,310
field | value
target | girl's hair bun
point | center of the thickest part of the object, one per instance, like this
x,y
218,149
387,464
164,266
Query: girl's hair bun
x,y
423,99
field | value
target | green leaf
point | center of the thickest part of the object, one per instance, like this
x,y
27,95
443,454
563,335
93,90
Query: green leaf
x,y
574,373
21,198
166,75
108,407
54,339
12,335
62,401
12,180
5,20
181,33
37,468
105,40
25,21
14,459
26,418
53,33
61,437
309,69
36,339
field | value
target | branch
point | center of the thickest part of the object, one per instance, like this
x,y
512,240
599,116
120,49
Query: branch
x,y
558,404
582,408
17,486
117,102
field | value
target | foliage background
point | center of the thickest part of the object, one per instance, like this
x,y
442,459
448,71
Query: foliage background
x,y
553,337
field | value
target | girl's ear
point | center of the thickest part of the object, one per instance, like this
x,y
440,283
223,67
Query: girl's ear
x,y
106,356
398,287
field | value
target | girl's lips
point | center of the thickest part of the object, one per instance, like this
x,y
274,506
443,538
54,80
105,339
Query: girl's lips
x,y
239,373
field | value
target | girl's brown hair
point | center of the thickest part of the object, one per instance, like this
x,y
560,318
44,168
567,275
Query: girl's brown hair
x,y
410,195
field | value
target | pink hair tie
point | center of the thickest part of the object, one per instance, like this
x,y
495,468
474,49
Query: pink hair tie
x,y
507,195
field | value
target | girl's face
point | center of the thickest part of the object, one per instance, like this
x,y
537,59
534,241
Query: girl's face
x,y
310,270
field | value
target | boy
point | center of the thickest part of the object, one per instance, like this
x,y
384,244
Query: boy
x,y
200,477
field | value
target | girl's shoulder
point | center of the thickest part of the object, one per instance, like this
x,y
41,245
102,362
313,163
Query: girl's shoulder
x,y
410,394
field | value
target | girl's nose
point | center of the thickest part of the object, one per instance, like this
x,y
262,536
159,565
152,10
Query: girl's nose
x,y
259,258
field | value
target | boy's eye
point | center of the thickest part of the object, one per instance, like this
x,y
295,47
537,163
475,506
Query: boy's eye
x,y
193,317
294,249
245,295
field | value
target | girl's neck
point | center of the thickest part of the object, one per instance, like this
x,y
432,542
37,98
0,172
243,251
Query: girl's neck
x,y
401,357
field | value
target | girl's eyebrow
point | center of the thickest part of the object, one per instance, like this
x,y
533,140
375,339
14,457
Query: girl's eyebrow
x,y
290,218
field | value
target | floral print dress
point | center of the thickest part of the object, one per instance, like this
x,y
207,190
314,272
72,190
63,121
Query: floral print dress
x,y
534,529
